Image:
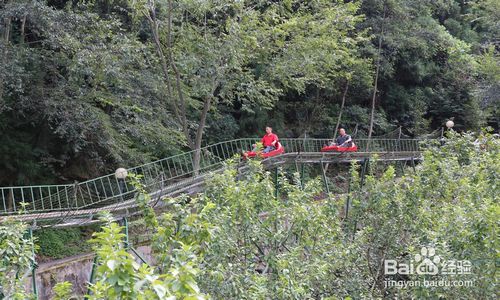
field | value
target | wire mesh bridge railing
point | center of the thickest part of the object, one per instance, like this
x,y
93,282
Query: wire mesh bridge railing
x,y
164,174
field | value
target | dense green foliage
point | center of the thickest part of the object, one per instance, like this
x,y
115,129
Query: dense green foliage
x,y
63,242
89,85
62,291
16,252
294,247
450,203
253,244
238,240
119,276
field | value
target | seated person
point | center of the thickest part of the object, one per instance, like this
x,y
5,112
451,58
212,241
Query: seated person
x,y
269,141
343,140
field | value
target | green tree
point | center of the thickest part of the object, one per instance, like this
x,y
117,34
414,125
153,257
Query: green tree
x,y
16,250
120,276
241,240
220,54
63,291
79,95
425,72
448,204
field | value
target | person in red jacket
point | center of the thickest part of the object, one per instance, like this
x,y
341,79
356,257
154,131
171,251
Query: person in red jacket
x,y
269,141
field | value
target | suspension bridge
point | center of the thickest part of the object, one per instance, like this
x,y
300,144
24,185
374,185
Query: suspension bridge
x,y
79,203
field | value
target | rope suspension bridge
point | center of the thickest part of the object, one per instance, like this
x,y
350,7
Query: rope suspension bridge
x,y
78,204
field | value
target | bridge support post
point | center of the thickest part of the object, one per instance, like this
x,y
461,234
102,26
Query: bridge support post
x,y
125,225
302,175
364,170
348,199
276,183
402,166
127,245
325,179
33,265
92,275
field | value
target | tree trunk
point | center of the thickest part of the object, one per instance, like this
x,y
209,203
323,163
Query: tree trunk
x,y
5,44
153,23
23,26
180,106
374,96
167,60
199,135
6,35
375,85
201,126
182,103
341,109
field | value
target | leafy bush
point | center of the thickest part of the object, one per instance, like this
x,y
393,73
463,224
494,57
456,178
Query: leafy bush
x,y
448,204
266,245
295,247
63,291
119,276
16,259
238,240
62,242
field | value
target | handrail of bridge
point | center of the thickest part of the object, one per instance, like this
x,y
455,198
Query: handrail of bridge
x,y
161,174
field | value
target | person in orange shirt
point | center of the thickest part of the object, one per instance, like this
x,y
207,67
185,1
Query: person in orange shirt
x,y
269,140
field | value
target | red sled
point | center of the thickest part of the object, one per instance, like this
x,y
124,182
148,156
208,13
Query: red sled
x,y
336,148
279,150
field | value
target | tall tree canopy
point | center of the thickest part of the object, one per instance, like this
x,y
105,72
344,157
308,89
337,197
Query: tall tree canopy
x,y
86,86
